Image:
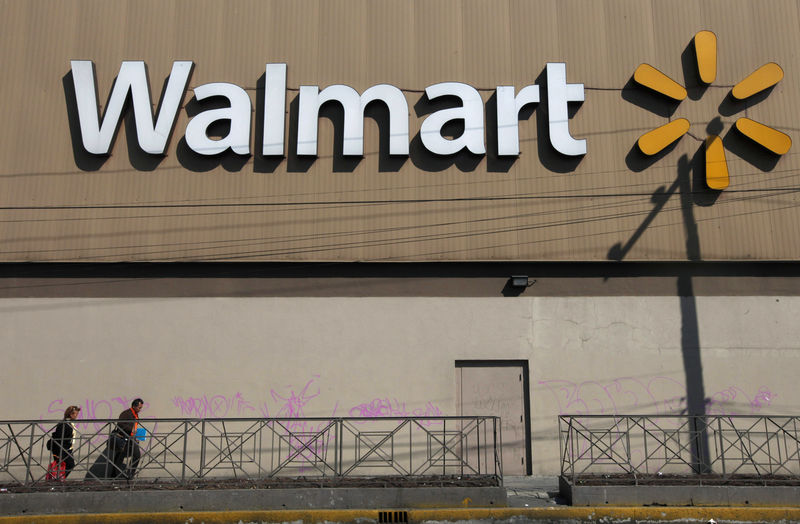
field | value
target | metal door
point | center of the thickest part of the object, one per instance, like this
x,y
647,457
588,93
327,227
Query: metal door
x,y
499,388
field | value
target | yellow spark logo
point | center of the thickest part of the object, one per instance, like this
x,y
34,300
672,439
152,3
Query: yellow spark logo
x,y
766,76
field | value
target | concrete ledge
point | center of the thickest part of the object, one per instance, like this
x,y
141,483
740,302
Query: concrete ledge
x,y
62,503
530,515
787,496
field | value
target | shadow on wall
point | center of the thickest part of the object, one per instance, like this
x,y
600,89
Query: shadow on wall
x,y
689,185
692,190
695,88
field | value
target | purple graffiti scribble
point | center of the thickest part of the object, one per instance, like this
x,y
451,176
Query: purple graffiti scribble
x,y
294,403
383,407
621,395
658,395
216,406
304,445
726,401
763,398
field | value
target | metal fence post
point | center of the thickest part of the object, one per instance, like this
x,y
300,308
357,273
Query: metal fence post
x,y
337,447
410,447
572,456
183,458
628,448
721,444
30,452
444,447
498,444
478,446
202,448
561,448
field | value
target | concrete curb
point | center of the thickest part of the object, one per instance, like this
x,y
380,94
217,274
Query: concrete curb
x,y
187,501
546,514
677,496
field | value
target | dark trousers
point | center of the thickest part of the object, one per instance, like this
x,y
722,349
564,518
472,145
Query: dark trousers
x,y
121,448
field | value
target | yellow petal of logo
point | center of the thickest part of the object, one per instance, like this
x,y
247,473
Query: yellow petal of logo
x,y
651,77
762,78
766,76
656,140
716,166
777,142
705,45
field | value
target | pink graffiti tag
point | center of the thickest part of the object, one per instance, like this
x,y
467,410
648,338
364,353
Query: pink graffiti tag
x,y
216,406
658,395
383,407
304,444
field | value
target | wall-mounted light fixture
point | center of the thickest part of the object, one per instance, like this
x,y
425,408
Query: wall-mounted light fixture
x,y
519,281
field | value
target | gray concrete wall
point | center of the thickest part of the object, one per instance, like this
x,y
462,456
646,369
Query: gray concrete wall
x,y
205,357
249,499
781,496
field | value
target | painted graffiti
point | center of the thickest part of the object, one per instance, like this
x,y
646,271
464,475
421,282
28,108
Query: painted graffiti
x,y
385,407
734,401
288,403
216,406
306,441
293,403
657,395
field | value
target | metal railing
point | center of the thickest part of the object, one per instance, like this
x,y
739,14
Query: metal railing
x,y
185,450
642,447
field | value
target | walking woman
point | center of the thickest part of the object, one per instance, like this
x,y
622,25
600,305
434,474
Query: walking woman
x,y
63,438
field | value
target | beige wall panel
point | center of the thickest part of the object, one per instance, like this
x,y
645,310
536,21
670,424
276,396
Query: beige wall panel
x,y
633,43
674,25
440,41
534,38
342,43
583,50
57,203
487,43
645,372
587,355
293,41
390,54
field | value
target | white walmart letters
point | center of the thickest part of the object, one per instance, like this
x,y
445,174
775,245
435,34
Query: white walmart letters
x,y
97,136
132,77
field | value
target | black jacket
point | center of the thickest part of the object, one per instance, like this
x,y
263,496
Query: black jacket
x,y
125,429
62,438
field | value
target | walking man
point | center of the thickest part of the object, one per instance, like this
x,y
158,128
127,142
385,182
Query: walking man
x,y
125,445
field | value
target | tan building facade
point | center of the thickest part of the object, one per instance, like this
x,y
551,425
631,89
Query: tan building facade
x,y
264,277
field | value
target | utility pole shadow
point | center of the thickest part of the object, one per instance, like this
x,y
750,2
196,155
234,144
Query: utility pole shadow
x,y
690,333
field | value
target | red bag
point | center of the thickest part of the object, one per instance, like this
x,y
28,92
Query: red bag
x,y
57,471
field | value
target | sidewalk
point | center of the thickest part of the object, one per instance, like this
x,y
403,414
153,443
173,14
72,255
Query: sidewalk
x,y
532,492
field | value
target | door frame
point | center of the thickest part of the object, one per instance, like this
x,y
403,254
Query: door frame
x,y
526,395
